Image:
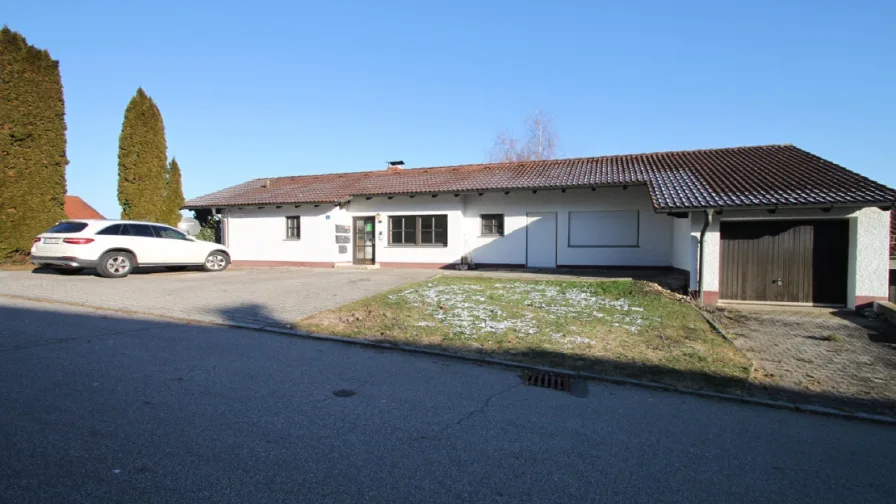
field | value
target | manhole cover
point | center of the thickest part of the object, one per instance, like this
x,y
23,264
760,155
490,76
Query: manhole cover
x,y
344,392
548,380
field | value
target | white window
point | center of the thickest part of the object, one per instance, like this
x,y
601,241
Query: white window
x,y
613,228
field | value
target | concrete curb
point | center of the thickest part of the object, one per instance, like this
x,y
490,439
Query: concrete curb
x,y
714,326
804,408
718,329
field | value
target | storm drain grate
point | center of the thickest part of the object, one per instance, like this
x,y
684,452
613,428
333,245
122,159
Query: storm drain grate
x,y
549,380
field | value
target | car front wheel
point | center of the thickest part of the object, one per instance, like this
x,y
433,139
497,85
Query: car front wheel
x,y
216,261
116,264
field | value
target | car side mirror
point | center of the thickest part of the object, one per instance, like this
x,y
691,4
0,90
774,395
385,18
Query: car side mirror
x,y
190,238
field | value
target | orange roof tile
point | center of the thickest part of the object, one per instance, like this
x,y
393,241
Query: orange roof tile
x,y
76,208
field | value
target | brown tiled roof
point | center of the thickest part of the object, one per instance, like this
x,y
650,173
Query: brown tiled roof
x,y
763,176
76,208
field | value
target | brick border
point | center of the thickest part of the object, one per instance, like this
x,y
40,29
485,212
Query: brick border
x,y
863,302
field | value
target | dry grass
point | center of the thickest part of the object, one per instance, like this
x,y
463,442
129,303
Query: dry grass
x,y
17,263
620,328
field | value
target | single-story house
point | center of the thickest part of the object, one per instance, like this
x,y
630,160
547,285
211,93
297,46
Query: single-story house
x,y
77,208
764,224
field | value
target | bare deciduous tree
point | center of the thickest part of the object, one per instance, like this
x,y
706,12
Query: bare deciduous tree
x,y
540,142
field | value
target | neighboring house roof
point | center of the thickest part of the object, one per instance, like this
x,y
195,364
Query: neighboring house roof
x,y
76,208
762,176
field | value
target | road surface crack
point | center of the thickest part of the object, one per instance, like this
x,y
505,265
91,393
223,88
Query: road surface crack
x,y
485,405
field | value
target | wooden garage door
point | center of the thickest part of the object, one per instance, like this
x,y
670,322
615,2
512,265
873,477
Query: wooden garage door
x,y
784,261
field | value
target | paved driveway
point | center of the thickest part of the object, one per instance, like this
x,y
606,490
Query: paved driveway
x,y
833,358
268,296
99,407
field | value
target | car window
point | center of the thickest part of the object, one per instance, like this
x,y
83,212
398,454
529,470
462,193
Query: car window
x,y
166,232
141,230
114,229
68,227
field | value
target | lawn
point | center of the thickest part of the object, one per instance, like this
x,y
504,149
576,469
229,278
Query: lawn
x,y
620,328
16,266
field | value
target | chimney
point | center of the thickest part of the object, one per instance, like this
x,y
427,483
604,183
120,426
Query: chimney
x,y
266,183
395,165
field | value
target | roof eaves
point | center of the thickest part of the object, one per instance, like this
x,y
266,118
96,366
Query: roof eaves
x,y
188,206
765,206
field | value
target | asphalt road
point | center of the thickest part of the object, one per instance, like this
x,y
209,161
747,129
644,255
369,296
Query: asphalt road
x,y
99,407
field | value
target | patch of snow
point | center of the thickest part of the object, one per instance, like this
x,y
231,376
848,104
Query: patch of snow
x,y
466,310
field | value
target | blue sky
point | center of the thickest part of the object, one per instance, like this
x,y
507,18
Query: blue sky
x,y
251,89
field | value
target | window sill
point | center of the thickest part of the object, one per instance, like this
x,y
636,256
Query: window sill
x,y
292,239
491,236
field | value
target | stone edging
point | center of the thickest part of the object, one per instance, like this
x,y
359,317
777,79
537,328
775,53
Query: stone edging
x,y
818,410
718,329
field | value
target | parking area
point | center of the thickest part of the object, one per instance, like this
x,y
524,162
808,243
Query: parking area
x,y
834,358
267,296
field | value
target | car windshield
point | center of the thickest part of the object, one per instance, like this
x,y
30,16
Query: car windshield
x,y
68,227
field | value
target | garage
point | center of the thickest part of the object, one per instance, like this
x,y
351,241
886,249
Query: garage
x,y
784,261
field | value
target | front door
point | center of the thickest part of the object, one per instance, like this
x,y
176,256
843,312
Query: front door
x,y
541,239
365,239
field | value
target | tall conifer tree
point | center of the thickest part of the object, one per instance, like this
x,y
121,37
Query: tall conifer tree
x,y
142,161
32,143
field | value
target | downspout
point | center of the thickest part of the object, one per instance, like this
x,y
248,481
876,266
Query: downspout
x,y
706,223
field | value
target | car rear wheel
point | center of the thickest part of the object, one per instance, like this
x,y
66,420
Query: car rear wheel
x,y
116,264
216,261
68,271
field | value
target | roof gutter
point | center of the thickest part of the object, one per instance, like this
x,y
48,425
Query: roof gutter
x,y
281,203
884,205
706,223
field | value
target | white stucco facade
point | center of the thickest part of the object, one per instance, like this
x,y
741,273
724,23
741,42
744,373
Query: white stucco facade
x,y
658,240
654,231
258,234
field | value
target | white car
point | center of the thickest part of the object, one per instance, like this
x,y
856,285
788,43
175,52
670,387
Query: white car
x,y
115,248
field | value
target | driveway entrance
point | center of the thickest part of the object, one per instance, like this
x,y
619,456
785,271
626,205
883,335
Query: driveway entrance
x,y
268,296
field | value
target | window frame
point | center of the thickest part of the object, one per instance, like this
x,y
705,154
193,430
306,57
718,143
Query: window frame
x,y
297,228
157,229
418,220
497,225
67,227
118,225
404,229
152,232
